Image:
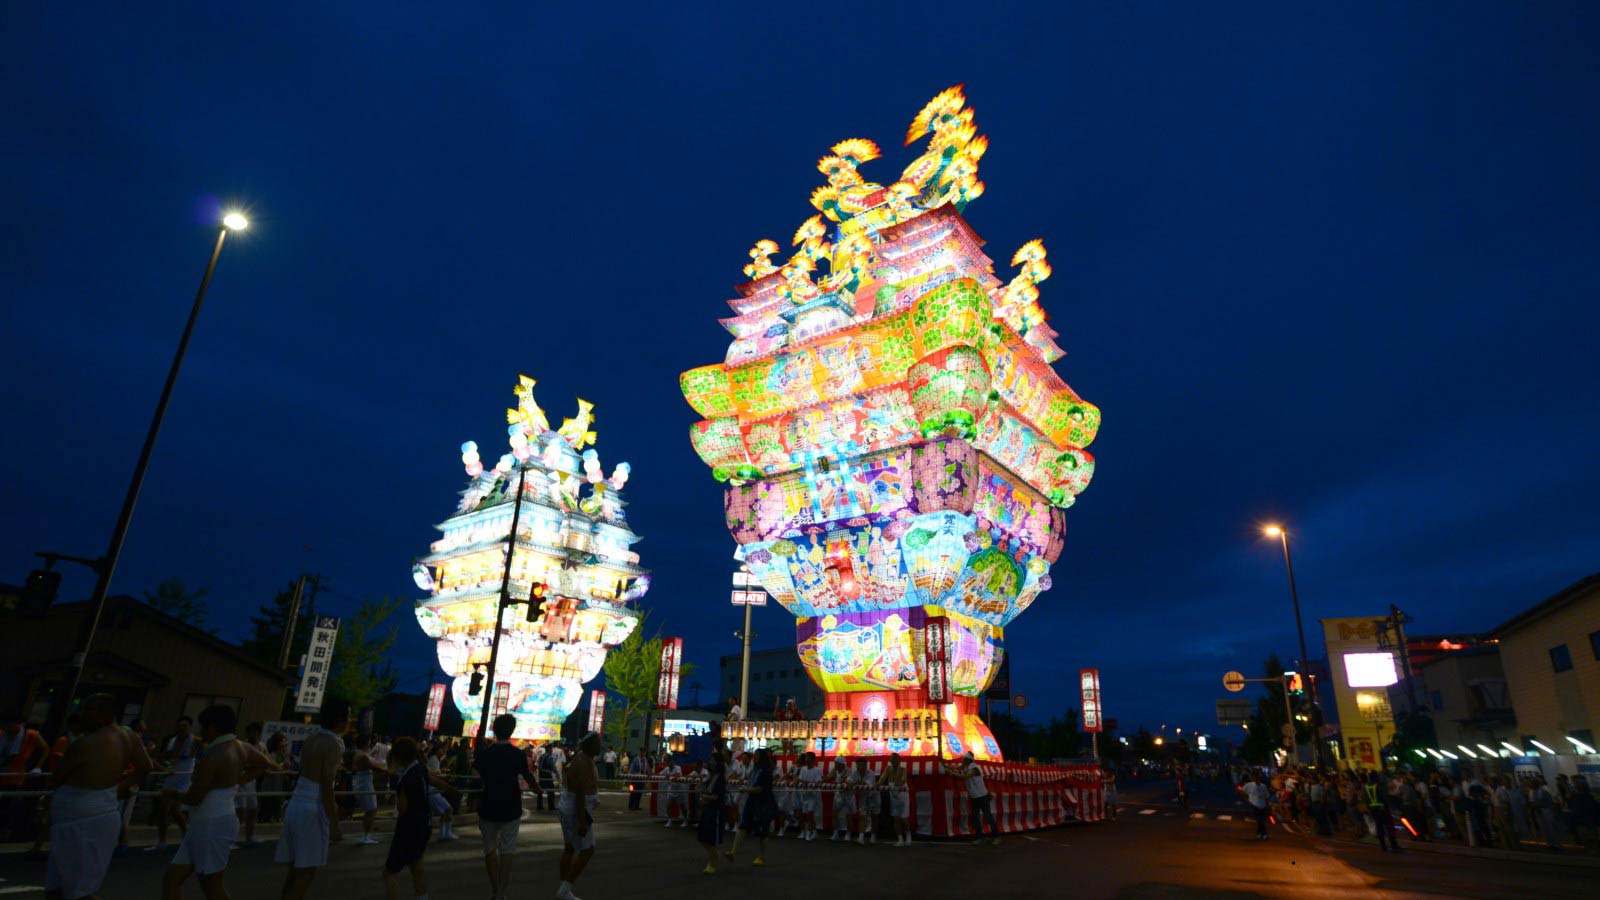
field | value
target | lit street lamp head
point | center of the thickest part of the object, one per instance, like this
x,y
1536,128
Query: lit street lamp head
x,y
235,222
1272,531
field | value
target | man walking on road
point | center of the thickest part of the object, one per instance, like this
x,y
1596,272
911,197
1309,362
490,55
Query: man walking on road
x,y
1378,801
504,769
223,766
581,783
311,819
85,819
1256,794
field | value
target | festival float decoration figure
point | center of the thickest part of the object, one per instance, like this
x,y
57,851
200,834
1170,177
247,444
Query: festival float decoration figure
x,y
572,549
898,449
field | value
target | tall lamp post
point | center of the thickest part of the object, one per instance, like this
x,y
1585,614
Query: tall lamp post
x,y
107,565
1277,531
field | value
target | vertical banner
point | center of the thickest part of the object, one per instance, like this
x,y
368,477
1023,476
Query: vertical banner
x,y
319,664
597,711
671,663
936,653
502,697
430,720
1090,679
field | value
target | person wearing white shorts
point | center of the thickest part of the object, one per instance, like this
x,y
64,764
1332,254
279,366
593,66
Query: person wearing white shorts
x,y
85,819
180,754
311,818
246,800
213,826
894,778
844,799
806,780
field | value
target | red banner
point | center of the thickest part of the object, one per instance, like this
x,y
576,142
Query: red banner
x,y
671,664
1090,680
938,666
430,721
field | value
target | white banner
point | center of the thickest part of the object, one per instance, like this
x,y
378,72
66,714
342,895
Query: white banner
x,y
319,664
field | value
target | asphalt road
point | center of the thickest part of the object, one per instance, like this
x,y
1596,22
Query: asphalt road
x,y
1151,851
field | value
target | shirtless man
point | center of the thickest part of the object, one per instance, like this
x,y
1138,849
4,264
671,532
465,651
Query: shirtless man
x,y
246,801
179,755
86,819
225,763
311,818
581,783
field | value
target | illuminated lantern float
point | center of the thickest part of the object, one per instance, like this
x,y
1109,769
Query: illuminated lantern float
x,y
573,539
898,450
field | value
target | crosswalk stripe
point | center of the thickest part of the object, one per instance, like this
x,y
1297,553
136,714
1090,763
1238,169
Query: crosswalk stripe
x,y
1197,815
1224,818
1147,812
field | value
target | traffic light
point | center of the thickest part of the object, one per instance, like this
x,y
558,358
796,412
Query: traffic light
x,y
536,601
1292,679
38,592
476,687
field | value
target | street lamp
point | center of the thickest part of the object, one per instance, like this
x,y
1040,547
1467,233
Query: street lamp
x,y
1277,531
107,565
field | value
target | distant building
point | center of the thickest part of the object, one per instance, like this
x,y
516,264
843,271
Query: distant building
x,y
1361,667
1551,655
1466,694
775,676
157,667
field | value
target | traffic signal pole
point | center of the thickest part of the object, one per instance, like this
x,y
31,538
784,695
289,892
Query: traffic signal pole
x,y
500,607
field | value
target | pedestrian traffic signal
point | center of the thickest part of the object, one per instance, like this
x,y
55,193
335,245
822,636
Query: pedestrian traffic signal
x,y
1292,679
476,687
536,601
38,592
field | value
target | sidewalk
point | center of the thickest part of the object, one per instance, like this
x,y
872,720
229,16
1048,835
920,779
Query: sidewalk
x,y
1571,858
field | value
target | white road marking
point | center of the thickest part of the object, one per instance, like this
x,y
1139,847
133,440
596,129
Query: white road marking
x,y
1224,818
21,889
1147,812
1197,815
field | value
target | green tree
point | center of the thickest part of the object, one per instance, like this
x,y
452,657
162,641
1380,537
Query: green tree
x,y
178,601
361,671
633,671
268,624
1266,725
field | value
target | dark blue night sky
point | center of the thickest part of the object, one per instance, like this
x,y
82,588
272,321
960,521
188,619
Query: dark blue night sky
x,y
1334,266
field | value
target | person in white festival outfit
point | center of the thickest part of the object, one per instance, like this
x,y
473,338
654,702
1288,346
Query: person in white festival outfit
x,y
311,818
365,767
981,808
677,794
844,800
213,824
810,799
85,819
179,755
894,777
863,784
246,801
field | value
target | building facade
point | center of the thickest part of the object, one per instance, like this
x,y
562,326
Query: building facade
x,y
1551,655
157,667
775,677
1363,663
1466,694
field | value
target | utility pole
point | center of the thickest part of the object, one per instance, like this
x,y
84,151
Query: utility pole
x,y
500,606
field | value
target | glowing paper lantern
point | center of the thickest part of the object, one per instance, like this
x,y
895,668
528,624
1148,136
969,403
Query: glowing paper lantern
x,y
574,539
897,449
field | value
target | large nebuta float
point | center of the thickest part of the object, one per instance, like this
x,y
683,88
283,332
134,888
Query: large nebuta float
x,y
898,449
572,538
